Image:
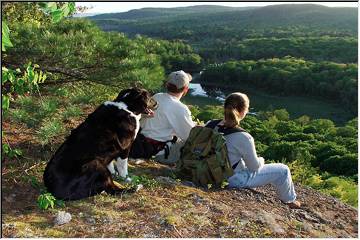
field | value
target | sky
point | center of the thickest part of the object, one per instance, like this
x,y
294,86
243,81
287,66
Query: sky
x,y
110,7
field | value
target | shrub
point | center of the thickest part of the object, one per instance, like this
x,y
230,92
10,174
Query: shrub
x,y
47,200
210,112
293,137
281,114
323,151
281,150
346,131
320,126
342,188
285,127
341,165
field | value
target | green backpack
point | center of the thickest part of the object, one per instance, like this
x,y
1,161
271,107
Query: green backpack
x,y
204,158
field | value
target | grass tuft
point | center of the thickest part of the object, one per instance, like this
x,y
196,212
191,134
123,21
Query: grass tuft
x,y
49,130
47,108
22,116
72,112
81,99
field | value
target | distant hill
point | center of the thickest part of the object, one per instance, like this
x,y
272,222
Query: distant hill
x,y
162,22
155,13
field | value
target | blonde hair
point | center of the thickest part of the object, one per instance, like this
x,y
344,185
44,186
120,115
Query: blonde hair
x,y
235,104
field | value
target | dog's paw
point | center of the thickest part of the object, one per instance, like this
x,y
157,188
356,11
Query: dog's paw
x,y
111,168
122,167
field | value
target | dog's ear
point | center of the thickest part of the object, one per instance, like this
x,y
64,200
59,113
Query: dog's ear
x,y
122,94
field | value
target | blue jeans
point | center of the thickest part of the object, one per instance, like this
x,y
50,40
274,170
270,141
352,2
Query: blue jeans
x,y
277,174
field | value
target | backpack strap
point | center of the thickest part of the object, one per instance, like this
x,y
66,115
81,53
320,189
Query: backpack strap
x,y
226,131
213,123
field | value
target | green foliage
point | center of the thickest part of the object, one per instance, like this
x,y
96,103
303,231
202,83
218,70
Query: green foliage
x,y
284,127
14,82
295,137
281,114
27,103
5,38
346,131
5,102
195,110
321,126
38,13
341,165
338,187
281,150
335,48
47,200
353,123
302,171
324,150
303,120
210,112
58,10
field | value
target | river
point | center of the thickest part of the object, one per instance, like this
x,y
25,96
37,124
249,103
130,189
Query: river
x,y
202,95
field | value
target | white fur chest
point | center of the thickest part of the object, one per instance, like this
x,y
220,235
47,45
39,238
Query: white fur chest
x,y
123,106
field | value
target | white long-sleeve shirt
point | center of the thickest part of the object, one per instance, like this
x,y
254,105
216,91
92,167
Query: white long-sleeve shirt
x,y
241,147
171,118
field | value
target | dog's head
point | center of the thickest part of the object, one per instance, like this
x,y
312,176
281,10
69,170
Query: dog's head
x,y
138,100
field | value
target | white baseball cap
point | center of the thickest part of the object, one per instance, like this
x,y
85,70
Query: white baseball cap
x,y
179,78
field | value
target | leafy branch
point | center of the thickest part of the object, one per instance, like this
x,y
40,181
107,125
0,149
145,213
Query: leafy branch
x,y
17,82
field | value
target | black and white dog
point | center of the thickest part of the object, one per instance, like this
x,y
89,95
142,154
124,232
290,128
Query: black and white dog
x,y
79,168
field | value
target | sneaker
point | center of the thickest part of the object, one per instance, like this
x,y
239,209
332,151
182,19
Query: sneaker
x,y
294,204
128,179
